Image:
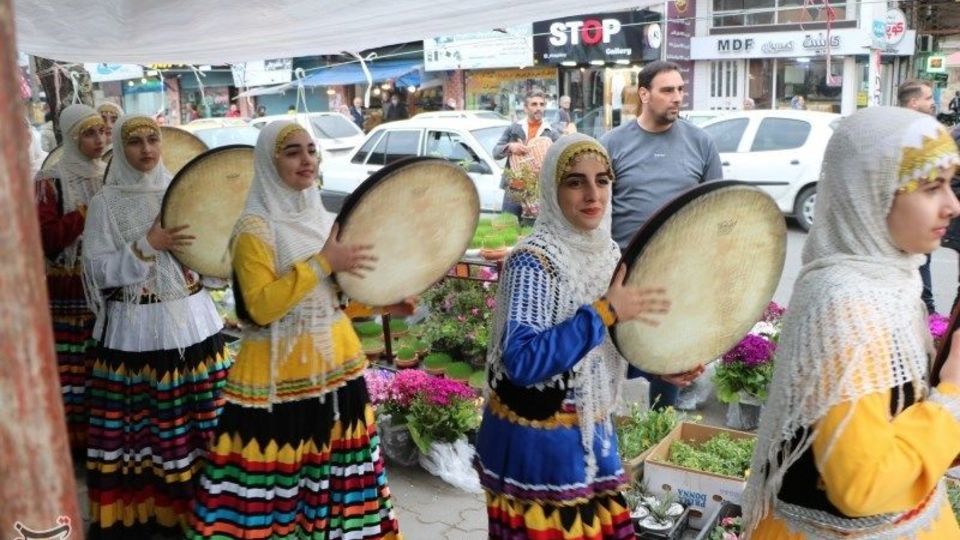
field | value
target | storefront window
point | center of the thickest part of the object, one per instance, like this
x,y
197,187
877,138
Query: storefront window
x,y
755,12
760,82
503,90
807,79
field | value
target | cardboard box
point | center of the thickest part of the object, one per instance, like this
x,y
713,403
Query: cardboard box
x,y
700,491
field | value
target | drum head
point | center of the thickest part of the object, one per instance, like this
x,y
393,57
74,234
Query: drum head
x,y
209,194
179,147
53,157
419,214
718,250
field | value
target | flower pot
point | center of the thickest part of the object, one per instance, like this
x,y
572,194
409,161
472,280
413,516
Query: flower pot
x,y
494,254
650,524
405,363
396,442
745,414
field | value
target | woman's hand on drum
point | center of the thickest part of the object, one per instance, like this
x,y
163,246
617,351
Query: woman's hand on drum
x,y
950,372
349,258
636,303
170,239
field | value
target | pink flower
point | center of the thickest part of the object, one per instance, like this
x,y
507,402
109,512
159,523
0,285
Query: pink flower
x,y
491,302
731,536
938,325
475,311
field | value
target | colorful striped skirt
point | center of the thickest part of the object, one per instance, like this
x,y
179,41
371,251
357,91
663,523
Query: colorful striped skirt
x,y
152,416
603,517
306,469
72,330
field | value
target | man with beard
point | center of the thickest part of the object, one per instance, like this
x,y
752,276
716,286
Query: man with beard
x,y
917,94
515,137
655,159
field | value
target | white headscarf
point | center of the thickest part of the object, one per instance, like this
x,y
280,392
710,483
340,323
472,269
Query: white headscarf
x,y
855,323
80,177
109,106
579,265
296,225
133,201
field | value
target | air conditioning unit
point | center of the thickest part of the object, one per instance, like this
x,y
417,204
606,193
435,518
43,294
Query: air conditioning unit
x,y
925,44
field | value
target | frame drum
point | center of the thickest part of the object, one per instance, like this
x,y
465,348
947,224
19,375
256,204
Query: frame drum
x,y
718,250
419,214
209,194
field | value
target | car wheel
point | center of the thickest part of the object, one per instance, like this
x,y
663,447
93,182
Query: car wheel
x,y
803,209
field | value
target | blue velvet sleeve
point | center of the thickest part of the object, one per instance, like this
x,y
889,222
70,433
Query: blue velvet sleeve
x,y
531,356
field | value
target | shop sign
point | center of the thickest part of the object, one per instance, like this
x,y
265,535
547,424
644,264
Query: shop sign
x,y
895,26
937,64
847,41
262,72
512,47
113,72
605,37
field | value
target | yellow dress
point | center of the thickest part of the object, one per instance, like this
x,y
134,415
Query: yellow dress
x,y
305,462
881,464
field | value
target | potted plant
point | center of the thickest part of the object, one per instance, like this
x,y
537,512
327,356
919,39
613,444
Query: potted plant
x,y
641,430
721,455
510,237
494,247
504,221
661,517
421,346
368,329
458,371
436,363
478,380
406,358
458,323
372,347
742,377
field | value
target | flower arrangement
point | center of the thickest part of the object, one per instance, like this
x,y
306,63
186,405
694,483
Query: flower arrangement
x,y
433,409
459,320
523,186
730,528
748,367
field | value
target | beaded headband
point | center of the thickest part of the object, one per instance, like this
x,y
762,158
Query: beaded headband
x,y
577,151
285,134
136,125
92,121
920,165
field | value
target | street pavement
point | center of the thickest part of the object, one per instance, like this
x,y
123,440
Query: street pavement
x,y
429,509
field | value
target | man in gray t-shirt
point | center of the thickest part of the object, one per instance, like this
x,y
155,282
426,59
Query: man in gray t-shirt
x,y
658,156
655,159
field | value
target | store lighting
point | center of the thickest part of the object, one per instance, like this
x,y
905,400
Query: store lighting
x,y
568,63
152,73
376,91
129,83
411,89
385,86
803,60
331,91
597,62
622,61
143,81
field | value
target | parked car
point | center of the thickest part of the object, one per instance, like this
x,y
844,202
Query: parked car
x,y
467,141
490,115
222,136
779,151
335,134
215,122
700,117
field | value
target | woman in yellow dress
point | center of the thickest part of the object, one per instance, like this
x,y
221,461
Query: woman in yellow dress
x,y
853,443
296,454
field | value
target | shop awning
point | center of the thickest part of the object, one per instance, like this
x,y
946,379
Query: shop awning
x,y
405,72
188,31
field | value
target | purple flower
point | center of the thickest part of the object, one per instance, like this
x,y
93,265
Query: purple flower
x,y
938,325
491,302
773,313
752,351
378,382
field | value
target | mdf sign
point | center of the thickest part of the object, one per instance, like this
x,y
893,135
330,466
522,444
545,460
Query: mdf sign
x,y
597,39
734,45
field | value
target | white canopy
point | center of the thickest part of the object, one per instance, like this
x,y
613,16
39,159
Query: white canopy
x,y
230,31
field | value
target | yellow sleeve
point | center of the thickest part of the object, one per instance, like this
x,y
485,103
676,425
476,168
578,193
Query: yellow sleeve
x,y
269,297
878,464
354,310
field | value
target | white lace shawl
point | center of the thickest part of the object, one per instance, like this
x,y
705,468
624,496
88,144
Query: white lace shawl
x,y
80,177
579,265
133,200
296,226
855,323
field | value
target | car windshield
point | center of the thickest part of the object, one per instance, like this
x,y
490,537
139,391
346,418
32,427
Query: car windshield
x,y
333,126
488,137
215,137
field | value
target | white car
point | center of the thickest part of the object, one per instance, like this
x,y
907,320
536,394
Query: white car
x,y
472,113
700,117
335,134
779,151
468,141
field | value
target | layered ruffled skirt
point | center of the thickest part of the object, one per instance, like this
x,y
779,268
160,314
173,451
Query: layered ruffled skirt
x,y
152,416
305,469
